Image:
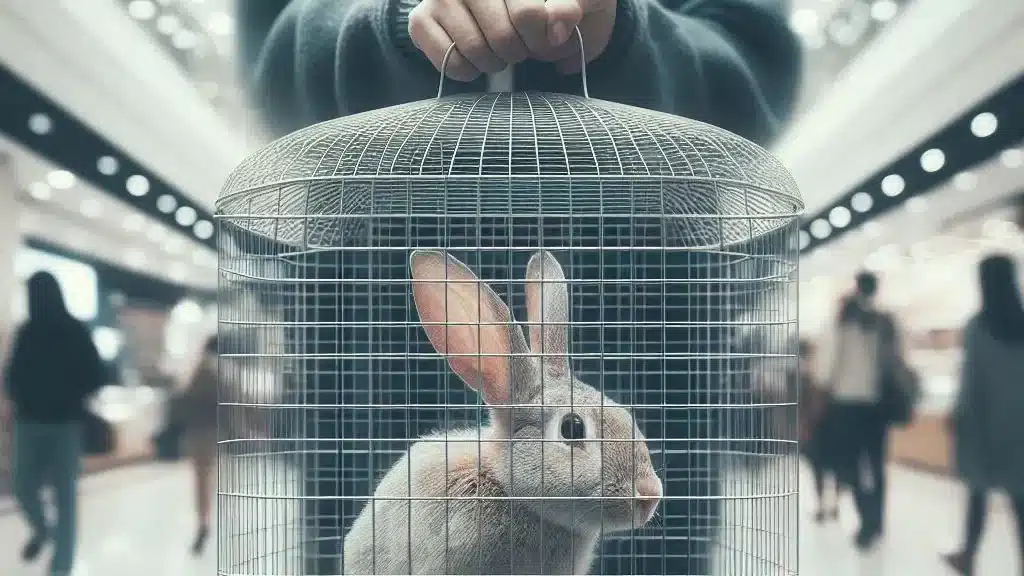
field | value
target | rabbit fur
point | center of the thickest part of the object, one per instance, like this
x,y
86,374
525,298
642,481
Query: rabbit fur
x,y
498,499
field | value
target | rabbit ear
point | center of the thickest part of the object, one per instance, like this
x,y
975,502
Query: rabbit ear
x,y
547,306
466,322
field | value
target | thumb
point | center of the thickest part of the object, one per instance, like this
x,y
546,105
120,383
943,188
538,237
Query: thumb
x,y
563,17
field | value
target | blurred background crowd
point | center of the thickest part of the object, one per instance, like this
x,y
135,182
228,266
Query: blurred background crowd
x,y
121,119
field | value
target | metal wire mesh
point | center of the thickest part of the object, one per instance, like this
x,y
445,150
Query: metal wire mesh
x,y
677,243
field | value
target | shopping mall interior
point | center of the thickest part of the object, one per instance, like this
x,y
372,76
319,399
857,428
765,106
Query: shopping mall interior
x,y
121,121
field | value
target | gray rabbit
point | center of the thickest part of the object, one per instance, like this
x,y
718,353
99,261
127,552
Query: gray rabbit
x,y
531,493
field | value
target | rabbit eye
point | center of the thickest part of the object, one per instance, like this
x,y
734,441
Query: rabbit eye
x,y
573,428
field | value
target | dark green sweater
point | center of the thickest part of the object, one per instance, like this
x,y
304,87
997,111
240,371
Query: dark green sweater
x,y
732,63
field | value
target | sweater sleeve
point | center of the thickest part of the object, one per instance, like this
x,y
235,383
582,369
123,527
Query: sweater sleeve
x,y
732,63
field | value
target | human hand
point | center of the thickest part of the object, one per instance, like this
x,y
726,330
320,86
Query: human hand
x,y
491,34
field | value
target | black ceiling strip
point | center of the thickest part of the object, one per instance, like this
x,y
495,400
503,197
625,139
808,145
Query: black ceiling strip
x,y
73,146
962,149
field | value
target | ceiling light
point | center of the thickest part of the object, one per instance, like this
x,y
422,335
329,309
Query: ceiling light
x,y
141,9
40,191
884,10
1012,158
166,203
203,230
933,160
134,222
820,229
40,124
156,233
984,125
862,202
965,181
137,185
168,24
184,39
840,217
221,24
107,165
893,185
814,40
803,21
843,33
186,216
917,204
805,239
61,179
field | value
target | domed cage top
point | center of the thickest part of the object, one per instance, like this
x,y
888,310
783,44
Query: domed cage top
x,y
657,254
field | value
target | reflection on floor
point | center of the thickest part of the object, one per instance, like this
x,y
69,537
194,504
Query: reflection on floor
x,y
139,521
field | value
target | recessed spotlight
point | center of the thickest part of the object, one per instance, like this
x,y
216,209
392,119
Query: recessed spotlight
x,y
984,125
1012,158
203,229
184,39
804,21
820,229
61,179
91,208
40,124
156,233
965,181
168,24
107,165
893,185
186,216
221,24
933,160
166,203
40,191
862,202
840,217
843,33
134,222
805,239
142,9
917,204
137,185
884,10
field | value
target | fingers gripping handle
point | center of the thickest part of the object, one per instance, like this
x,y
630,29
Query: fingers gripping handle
x,y
583,66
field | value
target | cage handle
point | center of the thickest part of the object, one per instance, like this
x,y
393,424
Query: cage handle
x,y
583,66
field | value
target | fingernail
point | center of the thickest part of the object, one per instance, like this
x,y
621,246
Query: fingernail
x,y
558,34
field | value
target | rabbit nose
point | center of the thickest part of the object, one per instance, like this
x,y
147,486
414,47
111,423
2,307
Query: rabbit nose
x,y
649,488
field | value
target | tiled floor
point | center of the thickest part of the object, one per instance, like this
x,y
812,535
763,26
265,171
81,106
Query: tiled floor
x,y
138,521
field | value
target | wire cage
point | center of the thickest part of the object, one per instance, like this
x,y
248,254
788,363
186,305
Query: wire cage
x,y
508,333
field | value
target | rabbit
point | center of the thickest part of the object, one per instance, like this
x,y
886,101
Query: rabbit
x,y
557,466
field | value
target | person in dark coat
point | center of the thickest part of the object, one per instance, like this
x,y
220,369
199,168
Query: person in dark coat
x,y
816,442
53,369
987,422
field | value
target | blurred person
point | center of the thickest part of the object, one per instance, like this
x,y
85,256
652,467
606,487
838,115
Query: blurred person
x,y
53,369
732,63
865,356
195,410
988,418
815,438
